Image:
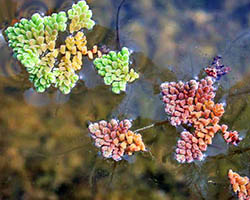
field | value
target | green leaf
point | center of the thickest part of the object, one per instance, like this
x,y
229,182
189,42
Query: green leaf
x,y
35,17
116,90
42,81
112,53
99,66
66,90
125,58
24,21
122,86
114,65
96,61
41,89
81,4
105,62
108,68
75,77
118,72
125,69
107,80
115,84
89,14
125,51
101,72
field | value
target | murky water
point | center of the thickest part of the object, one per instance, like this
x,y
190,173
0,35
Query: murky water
x,y
45,149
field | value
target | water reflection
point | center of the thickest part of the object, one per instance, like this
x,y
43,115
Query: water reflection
x,y
36,99
60,98
8,65
89,75
133,106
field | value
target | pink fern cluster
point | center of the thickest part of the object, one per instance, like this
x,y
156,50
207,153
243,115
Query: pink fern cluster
x,y
179,98
192,103
115,139
188,148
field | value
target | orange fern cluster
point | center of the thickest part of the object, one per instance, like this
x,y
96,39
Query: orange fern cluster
x,y
240,185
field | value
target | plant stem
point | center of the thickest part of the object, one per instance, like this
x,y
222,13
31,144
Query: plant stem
x,y
117,25
151,126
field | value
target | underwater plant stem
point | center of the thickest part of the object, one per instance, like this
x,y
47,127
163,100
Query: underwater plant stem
x,y
55,154
235,152
151,126
199,191
117,25
112,174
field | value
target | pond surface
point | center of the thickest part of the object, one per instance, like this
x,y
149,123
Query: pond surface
x,y
45,148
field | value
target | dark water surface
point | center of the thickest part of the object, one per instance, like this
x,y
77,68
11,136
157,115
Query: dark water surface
x,y
45,149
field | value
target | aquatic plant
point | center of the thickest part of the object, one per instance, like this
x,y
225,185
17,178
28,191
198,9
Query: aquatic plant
x,y
71,61
34,41
181,98
240,185
216,69
93,52
53,24
230,136
115,139
65,79
42,75
26,38
30,39
34,44
72,51
76,45
188,148
192,103
114,67
80,16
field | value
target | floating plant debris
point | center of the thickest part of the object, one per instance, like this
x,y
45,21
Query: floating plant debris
x,y
192,103
240,185
114,67
80,16
115,139
216,69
